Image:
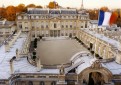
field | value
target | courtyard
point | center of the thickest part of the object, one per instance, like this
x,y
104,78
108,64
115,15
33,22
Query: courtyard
x,y
58,51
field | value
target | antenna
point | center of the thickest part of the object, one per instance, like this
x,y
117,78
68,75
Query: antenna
x,y
82,6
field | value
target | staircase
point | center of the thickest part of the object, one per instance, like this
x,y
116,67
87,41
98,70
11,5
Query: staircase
x,y
73,66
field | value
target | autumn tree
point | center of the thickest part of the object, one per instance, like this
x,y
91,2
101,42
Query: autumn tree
x,y
118,21
104,9
2,12
93,14
11,13
31,6
20,8
39,6
53,5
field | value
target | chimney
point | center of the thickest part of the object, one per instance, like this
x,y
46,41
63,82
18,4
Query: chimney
x,y
11,65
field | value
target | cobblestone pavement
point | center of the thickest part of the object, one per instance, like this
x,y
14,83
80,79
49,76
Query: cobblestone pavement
x,y
54,52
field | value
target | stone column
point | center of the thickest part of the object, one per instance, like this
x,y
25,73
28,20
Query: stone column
x,y
39,66
105,53
11,67
118,56
61,76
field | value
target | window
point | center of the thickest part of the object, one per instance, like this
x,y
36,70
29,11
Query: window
x,y
33,35
42,26
66,34
62,34
55,25
42,83
46,26
26,27
30,83
62,26
53,83
86,25
32,26
66,26
70,26
20,26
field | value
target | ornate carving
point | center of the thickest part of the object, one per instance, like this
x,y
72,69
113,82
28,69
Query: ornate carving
x,y
96,65
62,70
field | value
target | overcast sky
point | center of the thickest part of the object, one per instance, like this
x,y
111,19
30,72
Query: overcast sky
x,y
67,3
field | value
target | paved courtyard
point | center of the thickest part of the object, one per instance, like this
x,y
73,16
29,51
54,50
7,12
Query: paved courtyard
x,y
54,52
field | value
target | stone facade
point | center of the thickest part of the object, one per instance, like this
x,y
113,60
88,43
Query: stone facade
x,y
52,22
58,23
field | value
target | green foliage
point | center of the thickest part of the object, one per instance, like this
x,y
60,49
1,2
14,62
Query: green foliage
x,y
35,39
34,53
34,57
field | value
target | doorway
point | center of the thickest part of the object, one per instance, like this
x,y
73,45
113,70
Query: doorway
x,y
70,82
54,33
96,78
91,46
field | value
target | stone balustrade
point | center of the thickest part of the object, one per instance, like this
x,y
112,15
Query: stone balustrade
x,y
12,41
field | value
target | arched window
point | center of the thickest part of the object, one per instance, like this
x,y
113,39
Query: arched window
x,y
42,83
53,83
55,26
30,83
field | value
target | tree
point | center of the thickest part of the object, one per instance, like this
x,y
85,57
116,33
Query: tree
x,y
34,53
53,5
34,57
38,6
31,6
2,12
93,14
20,8
11,13
104,8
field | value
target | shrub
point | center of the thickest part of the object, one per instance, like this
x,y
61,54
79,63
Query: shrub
x,y
34,53
35,46
35,39
34,57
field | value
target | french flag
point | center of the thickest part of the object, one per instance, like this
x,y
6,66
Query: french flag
x,y
107,18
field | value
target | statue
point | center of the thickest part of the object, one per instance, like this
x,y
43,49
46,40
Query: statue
x,y
62,69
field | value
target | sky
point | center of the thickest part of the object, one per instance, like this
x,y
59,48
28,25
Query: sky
x,y
67,3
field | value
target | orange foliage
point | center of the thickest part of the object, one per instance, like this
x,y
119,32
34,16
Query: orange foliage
x,y
11,13
20,8
2,12
104,9
38,6
31,6
53,5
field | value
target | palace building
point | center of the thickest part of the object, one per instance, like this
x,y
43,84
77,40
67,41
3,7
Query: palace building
x,y
52,22
58,47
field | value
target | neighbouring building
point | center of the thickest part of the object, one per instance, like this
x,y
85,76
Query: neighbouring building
x,y
7,28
